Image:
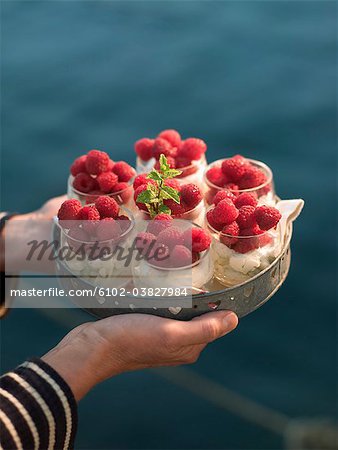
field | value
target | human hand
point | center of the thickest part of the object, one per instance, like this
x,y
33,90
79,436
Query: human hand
x,y
24,228
96,351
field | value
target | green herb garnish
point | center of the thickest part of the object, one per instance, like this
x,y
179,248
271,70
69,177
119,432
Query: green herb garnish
x,y
155,194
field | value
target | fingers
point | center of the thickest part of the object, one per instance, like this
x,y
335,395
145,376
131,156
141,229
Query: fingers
x,y
206,328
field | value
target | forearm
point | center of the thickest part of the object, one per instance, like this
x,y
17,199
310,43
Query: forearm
x,y
38,409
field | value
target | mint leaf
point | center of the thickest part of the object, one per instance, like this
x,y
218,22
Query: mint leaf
x,y
164,209
146,196
154,175
172,173
170,193
164,166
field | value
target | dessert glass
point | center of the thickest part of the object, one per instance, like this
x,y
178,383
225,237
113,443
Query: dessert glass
x,y
231,265
124,197
265,192
190,174
193,276
101,262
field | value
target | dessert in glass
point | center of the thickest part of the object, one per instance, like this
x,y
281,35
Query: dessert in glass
x,y
95,174
172,254
246,236
93,239
239,175
188,204
188,156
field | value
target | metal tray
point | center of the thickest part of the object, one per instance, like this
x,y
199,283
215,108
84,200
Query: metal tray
x,y
243,299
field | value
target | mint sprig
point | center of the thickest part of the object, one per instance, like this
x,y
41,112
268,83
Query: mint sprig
x,y
156,193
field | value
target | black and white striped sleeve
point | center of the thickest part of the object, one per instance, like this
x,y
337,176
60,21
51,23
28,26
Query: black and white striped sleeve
x,y
37,409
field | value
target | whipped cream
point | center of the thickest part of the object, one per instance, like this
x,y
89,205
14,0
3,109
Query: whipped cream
x,y
233,268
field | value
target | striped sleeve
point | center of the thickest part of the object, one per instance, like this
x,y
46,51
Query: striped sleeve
x,y
37,409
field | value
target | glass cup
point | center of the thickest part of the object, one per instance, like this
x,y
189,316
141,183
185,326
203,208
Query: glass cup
x,y
149,274
102,262
237,259
265,192
192,173
124,197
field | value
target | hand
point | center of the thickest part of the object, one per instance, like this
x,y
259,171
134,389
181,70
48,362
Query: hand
x,y
96,351
24,228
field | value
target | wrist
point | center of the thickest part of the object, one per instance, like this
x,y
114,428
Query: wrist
x,y
81,360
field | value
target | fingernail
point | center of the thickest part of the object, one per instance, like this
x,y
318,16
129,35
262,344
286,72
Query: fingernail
x,y
230,321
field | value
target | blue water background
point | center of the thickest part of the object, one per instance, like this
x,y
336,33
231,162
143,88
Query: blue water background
x,y
251,77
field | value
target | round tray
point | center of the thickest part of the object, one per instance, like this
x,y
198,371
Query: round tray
x,y
242,299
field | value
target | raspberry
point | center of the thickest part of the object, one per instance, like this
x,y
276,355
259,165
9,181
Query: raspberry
x,y
110,165
231,229
177,209
210,219
79,165
190,195
197,239
265,239
159,255
172,136
160,222
69,210
225,212
142,179
171,236
84,182
245,245
107,181
246,199
97,162
137,192
107,207
144,148
143,241
216,176
124,222
254,230
267,217
252,177
221,195
89,213
186,166
107,229
92,196
193,148
180,256
163,147
123,193
76,237
171,182
171,163
124,171
234,168
246,217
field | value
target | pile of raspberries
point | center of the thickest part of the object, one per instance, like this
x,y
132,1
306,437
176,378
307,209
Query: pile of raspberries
x,y
190,194
240,216
179,153
165,245
237,173
99,222
95,173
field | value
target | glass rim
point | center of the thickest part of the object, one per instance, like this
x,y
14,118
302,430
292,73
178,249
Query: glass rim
x,y
79,193
131,227
219,233
253,161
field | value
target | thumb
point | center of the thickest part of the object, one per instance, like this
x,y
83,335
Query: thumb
x,y
208,327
